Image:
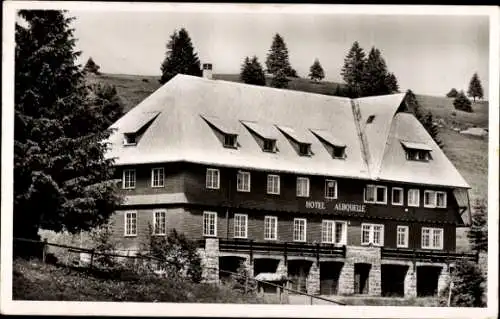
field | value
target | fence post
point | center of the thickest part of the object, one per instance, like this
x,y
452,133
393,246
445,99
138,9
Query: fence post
x,y
44,250
246,284
311,299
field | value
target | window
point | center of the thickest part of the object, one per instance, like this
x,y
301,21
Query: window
x,y
441,199
159,222
302,187
129,139
413,197
130,223
128,179
230,140
402,237
273,184
432,238
330,189
243,182
213,178
429,199
338,152
397,196
299,229
372,234
418,155
269,145
157,177
305,149
240,225
376,194
209,224
334,232
270,228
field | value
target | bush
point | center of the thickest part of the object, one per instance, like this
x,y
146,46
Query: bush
x,y
453,93
467,289
462,103
242,282
103,243
176,255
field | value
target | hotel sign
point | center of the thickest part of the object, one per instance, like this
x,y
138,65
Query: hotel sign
x,y
343,207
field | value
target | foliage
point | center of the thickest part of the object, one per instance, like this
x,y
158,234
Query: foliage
x,y
467,288
279,80
242,282
62,180
316,72
353,69
111,105
453,93
425,119
391,83
375,75
478,232
475,87
177,254
462,103
277,58
102,242
91,67
180,57
252,72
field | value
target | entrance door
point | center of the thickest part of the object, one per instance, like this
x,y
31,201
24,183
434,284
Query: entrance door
x,y
329,277
298,270
361,275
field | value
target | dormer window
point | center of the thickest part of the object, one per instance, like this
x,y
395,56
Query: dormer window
x,y
416,151
335,147
269,145
338,152
230,140
129,139
133,131
305,149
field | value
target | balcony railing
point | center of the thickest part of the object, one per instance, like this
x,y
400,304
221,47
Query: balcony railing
x,y
283,248
426,255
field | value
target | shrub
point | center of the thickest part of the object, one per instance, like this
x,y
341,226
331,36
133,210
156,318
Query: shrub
x,y
462,103
467,289
242,282
102,243
453,93
176,254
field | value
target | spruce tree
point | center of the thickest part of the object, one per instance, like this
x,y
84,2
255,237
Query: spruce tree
x,y
475,88
316,72
279,80
353,70
62,180
106,96
462,103
252,72
424,118
375,75
453,93
391,83
91,67
478,233
180,57
277,58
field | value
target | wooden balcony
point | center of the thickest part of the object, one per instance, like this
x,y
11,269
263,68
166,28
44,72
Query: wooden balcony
x,y
426,255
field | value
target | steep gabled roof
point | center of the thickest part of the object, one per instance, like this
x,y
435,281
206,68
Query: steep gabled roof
x,y
371,129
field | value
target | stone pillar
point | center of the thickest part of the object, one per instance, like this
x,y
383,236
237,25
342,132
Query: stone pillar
x,y
346,279
444,278
210,260
375,280
411,281
282,269
249,267
313,280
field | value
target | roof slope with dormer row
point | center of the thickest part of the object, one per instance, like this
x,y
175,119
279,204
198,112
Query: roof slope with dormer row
x,y
187,108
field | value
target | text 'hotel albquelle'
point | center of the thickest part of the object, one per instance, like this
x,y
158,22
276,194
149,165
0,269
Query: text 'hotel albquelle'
x,y
339,195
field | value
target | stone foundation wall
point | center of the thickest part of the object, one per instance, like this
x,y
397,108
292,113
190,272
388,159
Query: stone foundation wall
x,y
411,281
210,260
444,278
354,255
313,280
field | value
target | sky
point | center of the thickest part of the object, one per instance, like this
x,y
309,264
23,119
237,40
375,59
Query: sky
x,y
428,54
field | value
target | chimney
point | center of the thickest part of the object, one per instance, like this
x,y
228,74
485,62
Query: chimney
x,y
207,70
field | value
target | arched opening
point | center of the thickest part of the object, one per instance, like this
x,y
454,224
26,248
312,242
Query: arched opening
x,y
427,280
298,271
329,277
393,280
228,264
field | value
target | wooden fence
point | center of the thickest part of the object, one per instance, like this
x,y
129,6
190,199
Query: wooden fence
x,y
93,253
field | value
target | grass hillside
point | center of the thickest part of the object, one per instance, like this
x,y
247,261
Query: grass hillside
x,y
469,154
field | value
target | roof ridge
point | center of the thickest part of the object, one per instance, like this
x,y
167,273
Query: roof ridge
x,y
361,135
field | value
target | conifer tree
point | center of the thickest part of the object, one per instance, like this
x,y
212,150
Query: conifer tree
x,y
252,72
478,233
353,70
375,75
62,180
462,103
277,58
316,72
391,83
106,96
180,57
475,88
424,118
91,67
279,80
